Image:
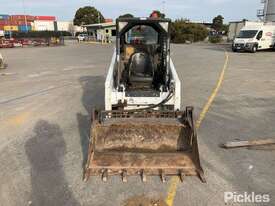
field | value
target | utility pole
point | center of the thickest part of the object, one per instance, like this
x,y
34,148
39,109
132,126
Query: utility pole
x,y
98,17
163,6
24,9
265,9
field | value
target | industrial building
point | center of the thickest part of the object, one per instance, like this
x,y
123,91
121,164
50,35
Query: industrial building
x,y
267,14
68,26
102,31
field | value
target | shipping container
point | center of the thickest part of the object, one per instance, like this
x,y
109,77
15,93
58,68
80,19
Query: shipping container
x,y
18,23
24,28
4,22
4,16
11,28
17,17
45,18
44,25
22,17
22,23
2,27
30,18
14,22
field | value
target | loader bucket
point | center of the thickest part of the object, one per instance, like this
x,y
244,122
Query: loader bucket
x,y
146,143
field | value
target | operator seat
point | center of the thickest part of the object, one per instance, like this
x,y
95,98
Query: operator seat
x,y
140,68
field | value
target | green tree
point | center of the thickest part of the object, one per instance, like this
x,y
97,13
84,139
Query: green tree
x,y
182,31
225,29
215,39
88,15
218,23
126,16
160,15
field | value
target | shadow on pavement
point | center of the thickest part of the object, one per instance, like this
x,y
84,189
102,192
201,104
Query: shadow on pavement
x,y
45,151
92,98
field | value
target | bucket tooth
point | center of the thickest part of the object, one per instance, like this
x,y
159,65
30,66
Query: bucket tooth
x,y
201,176
124,176
162,176
86,175
181,176
143,176
105,175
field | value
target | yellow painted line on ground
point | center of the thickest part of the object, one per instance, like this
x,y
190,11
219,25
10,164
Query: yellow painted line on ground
x,y
19,119
214,93
175,180
172,191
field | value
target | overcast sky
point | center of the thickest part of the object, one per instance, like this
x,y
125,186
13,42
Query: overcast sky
x,y
198,10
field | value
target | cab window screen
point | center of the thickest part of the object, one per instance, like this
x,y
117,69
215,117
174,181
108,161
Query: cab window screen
x,y
142,34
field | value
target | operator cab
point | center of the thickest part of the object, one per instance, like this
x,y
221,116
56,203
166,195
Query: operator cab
x,y
143,46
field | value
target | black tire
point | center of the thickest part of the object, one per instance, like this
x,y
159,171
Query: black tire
x,y
254,49
234,50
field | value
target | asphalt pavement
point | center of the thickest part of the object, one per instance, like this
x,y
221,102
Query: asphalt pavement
x,y
47,95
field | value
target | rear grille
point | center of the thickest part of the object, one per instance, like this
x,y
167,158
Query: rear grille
x,y
142,114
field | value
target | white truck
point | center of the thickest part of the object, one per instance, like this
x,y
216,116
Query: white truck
x,y
255,37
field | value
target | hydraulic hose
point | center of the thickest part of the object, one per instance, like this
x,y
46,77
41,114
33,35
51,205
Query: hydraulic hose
x,y
169,96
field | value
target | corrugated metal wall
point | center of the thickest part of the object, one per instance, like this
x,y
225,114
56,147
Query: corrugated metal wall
x,y
43,25
270,10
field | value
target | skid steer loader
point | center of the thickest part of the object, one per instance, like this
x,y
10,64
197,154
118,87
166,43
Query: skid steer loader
x,y
142,130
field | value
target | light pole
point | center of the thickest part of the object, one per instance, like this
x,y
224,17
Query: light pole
x,y
98,16
163,6
24,9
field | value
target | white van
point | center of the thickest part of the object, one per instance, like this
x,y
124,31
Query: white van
x,y
255,37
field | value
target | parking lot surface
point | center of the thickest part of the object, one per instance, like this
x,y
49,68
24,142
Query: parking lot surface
x,y
47,95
